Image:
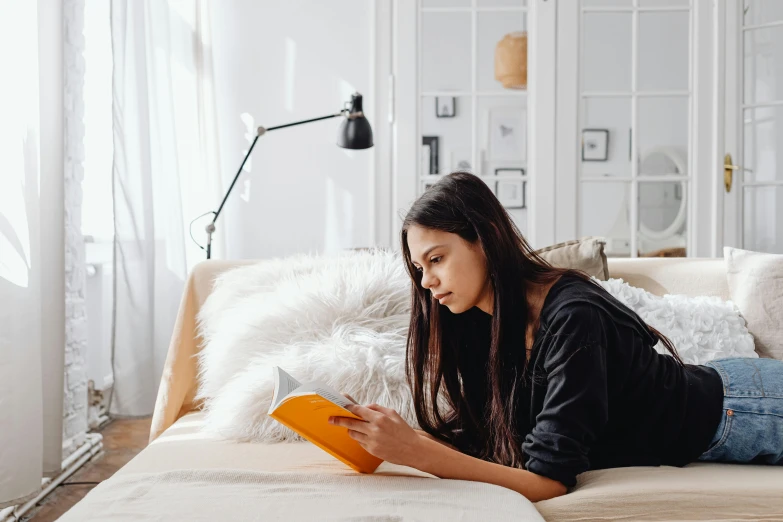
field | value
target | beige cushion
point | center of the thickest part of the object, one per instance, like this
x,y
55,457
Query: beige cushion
x,y
756,286
701,491
691,276
586,254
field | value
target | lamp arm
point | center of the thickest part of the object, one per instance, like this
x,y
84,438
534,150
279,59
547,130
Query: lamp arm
x,y
261,131
344,111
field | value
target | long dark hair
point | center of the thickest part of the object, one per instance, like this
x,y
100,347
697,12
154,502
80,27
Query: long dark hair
x,y
481,390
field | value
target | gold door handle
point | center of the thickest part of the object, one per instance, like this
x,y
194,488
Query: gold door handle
x,y
728,171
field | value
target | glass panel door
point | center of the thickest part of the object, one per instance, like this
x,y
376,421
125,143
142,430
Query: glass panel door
x,y
472,95
635,111
760,178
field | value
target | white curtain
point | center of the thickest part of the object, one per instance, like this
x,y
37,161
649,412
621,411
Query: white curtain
x,y
31,267
164,175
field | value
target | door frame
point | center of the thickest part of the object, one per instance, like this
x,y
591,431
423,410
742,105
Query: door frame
x,y
728,132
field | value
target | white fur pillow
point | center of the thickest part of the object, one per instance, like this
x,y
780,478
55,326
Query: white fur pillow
x,y
701,328
342,320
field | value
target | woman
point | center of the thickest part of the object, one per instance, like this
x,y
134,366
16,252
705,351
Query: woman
x,y
545,374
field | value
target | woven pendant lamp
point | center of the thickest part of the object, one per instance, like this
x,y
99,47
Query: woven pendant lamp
x,y
511,60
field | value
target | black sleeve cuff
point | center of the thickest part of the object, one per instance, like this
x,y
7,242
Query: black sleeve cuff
x,y
558,473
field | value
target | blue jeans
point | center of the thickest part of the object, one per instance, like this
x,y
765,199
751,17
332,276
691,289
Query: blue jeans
x,y
751,429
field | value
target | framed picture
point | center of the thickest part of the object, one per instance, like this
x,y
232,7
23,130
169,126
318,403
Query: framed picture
x,y
510,172
432,142
511,193
595,144
445,106
507,136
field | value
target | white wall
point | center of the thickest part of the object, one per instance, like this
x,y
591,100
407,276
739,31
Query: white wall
x,y
275,63
75,389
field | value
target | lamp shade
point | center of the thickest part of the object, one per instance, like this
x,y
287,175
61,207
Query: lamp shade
x,y
511,61
355,131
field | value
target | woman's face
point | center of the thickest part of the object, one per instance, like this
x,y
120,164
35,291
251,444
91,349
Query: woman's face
x,y
451,268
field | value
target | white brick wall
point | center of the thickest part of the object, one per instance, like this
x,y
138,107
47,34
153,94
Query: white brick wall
x,y
75,382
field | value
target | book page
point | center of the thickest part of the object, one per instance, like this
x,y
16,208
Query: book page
x,y
284,385
324,391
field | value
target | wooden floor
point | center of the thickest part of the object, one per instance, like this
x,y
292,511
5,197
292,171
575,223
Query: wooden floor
x,y
122,440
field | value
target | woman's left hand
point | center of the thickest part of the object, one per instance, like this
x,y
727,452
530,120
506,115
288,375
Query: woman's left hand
x,y
383,433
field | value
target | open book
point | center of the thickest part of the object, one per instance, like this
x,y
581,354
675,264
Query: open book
x,y
306,408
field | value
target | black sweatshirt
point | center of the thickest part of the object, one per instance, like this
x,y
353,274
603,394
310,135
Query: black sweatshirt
x,y
597,394
600,396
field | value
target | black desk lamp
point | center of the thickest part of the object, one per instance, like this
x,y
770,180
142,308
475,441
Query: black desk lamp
x,y
354,133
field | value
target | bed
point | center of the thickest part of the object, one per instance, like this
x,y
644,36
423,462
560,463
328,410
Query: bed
x,y
186,475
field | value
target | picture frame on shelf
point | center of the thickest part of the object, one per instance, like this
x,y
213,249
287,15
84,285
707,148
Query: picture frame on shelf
x,y
432,142
595,144
510,171
507,134
511,193
459,162
445,106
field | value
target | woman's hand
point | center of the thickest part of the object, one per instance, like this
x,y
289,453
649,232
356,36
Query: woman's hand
x,y
349,397
382,432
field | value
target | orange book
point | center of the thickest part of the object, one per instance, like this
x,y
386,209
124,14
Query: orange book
x,y
306,408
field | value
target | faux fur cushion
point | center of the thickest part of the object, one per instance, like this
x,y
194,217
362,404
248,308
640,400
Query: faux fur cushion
x,y
701,328
344,319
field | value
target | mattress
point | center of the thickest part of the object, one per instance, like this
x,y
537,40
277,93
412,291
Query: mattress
x,y
187,475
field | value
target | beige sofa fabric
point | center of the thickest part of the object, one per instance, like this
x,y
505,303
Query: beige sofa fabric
x,y
700,491
756,284
697,492
185,475
586,254
667,275
178,384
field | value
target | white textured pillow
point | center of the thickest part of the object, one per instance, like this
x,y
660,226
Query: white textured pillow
x,y
756,285
342,320
701,328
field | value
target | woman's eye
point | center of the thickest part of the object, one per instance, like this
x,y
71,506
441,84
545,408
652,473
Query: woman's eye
x,y
418,268
435,259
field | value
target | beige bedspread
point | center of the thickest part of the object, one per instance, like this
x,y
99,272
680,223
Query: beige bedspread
x,y
195,475
186,475
197,478
209,495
